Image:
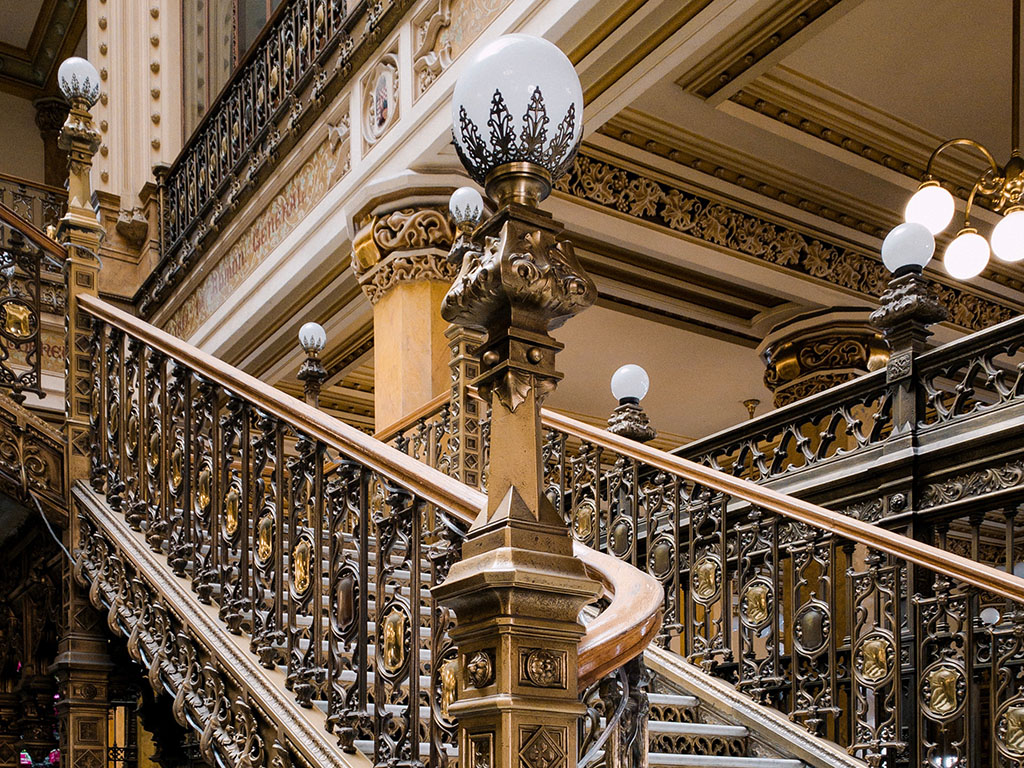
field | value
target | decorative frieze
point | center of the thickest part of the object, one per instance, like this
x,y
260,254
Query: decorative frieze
x,y
443,31
722,225
284,212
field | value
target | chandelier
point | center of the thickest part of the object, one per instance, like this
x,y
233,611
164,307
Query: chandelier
x,y
933,207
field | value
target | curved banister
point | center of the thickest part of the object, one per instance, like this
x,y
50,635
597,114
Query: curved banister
x,y
35,235
621,632
976,574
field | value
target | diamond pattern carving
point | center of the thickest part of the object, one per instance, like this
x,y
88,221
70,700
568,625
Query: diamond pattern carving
x,y
544,749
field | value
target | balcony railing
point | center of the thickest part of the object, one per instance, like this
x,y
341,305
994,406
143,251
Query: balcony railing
x,y
38,204
304,56
886,645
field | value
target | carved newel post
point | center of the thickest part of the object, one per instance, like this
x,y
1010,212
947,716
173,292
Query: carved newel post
x,y
82,661
312,373
908,308
518,590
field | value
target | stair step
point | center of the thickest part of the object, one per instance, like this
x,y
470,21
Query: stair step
x,y
699,729
707,761
673,700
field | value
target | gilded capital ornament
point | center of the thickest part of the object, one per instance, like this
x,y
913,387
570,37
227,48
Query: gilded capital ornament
x,y
406,245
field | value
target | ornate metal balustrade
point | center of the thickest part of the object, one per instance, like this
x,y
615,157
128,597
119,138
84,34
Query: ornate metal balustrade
x,y
317,543
38,204
901,652
25,252
304,56
975,375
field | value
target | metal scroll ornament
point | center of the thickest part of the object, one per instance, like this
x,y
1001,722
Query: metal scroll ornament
x,y
502,146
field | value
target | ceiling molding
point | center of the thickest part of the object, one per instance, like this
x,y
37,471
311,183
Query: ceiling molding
x,y
753,48
828,115
601,179
31,72
671,143
668,141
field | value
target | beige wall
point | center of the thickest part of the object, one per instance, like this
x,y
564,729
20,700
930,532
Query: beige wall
x,y
21,148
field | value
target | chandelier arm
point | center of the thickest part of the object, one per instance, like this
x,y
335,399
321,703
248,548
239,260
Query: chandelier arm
x,y
961,142
1015,80
970,202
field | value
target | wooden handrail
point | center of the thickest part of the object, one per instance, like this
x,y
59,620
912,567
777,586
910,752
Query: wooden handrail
x,y
58,191
429,408
35,235
621,632
940,561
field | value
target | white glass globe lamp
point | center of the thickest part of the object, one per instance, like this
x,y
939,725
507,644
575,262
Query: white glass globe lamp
x,y
313,338
519,101
989,615
932,206
79,81
907,248
967,255
466,206
630,384
1008,236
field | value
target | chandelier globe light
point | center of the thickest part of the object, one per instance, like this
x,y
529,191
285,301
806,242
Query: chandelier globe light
x,y
933,207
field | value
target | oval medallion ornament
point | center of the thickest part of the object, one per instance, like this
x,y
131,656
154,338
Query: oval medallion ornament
x,y
301,562
873,661
661,559
132,438
621,538
18,321
449,686
393,641
812,628
705,578
756,603
943,690
264,540
1010,729
176,467
154,449
231,511
583,520
203,491
345,602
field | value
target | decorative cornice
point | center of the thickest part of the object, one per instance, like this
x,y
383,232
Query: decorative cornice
x,y
760,41
701,159
722,225
978,483
407,245
805,365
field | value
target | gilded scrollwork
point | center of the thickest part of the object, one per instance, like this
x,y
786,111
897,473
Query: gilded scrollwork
x,y
718,223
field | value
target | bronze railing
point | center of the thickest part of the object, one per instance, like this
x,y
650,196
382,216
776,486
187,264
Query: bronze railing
x,y
317,542
975,375
304,55
38,204
25,252
901,652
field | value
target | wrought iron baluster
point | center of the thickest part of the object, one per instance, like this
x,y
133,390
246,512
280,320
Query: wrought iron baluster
x,y
176,461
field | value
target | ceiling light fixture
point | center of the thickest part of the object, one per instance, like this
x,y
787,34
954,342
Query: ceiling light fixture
x,y
933,207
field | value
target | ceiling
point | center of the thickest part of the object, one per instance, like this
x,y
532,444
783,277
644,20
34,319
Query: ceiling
x,y
34,38
813,117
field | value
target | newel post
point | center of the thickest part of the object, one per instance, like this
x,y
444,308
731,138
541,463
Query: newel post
x,y
518,590
82,662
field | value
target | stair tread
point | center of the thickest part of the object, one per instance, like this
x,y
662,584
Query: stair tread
x,y
673,699
698,729
715,761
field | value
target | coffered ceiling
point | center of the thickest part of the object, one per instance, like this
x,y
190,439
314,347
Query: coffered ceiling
x,y
35,36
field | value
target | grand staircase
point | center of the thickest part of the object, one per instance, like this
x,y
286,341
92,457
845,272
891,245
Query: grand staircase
x,y
270,569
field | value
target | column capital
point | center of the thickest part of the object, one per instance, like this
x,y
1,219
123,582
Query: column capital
x,y
818,349
406,245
